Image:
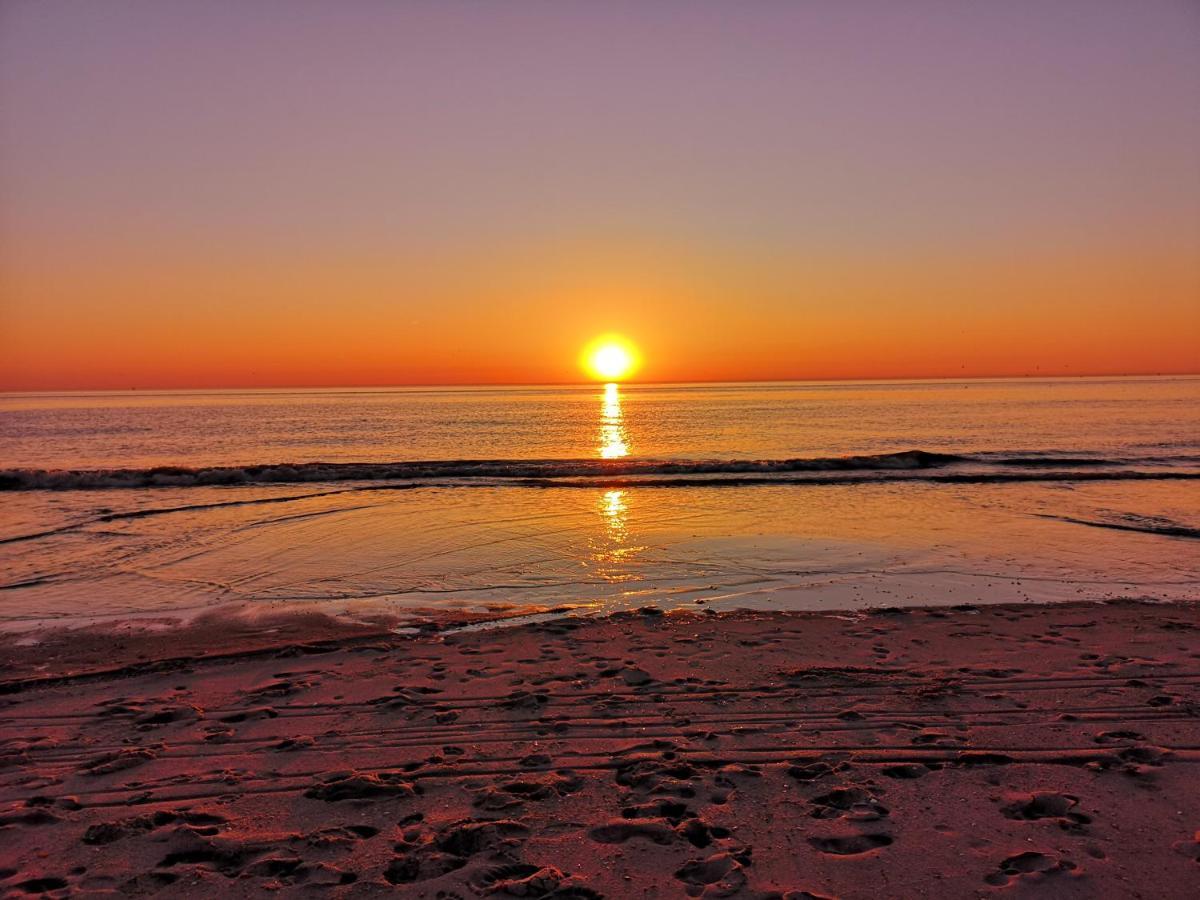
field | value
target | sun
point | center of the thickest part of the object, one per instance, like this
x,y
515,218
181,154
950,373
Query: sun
x,y
610,357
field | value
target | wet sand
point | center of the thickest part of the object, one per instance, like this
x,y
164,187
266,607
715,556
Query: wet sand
x,y
967,752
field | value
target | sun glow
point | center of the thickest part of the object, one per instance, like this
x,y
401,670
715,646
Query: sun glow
x,y
610,358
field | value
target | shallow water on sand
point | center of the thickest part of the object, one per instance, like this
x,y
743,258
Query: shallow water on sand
x,y
726,495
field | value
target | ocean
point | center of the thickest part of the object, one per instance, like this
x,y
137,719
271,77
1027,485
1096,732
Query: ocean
x,y
447,505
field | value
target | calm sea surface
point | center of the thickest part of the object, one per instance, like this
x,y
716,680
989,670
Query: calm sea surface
x,y
428,503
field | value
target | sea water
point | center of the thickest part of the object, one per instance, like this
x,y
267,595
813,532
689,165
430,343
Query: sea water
x,y
442,503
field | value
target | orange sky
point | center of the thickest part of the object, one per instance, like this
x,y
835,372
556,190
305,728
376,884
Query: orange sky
x,y
453,194
819,318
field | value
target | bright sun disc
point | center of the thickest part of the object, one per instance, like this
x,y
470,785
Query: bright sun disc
x,y
610,358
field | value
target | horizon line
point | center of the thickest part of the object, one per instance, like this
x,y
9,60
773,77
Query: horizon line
x,y
592,383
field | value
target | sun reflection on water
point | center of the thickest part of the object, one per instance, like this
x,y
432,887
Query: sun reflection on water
x,y
612,550
613,553
613,507
614,441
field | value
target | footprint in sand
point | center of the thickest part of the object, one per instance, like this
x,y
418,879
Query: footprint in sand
x,y
425,854
28,817
515,793
854,803
120,760
905,771
41,885
810,771
167,715
247,715
1059,808
1190,849
1029,864
202,823
619,832
355,786
519,880
851,845
723,873
685,826
1113,737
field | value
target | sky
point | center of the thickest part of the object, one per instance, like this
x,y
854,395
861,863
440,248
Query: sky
x,y
293,193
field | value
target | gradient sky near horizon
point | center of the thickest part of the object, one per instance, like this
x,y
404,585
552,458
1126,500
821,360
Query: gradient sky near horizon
x,y
366,193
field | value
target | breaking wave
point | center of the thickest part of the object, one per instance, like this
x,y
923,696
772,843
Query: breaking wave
x,y
1132,522
921,464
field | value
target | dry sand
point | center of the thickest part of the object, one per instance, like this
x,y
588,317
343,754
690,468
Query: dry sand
x,y
1008,751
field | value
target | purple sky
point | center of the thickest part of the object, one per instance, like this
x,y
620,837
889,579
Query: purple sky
x,y
442,150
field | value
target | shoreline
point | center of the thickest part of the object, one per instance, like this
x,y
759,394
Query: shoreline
x,y
147,642
926,751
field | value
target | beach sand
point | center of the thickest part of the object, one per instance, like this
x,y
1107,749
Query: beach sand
x,y
968,752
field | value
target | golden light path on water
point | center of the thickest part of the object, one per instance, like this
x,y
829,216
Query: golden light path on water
x,y
613,551
614,440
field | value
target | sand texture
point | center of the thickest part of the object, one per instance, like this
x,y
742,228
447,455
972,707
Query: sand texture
x,y
1046,751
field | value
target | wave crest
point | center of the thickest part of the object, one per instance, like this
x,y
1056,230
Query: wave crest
x,y
1003,465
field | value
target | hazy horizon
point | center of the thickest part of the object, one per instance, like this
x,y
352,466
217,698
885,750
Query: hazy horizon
x,y
594,384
